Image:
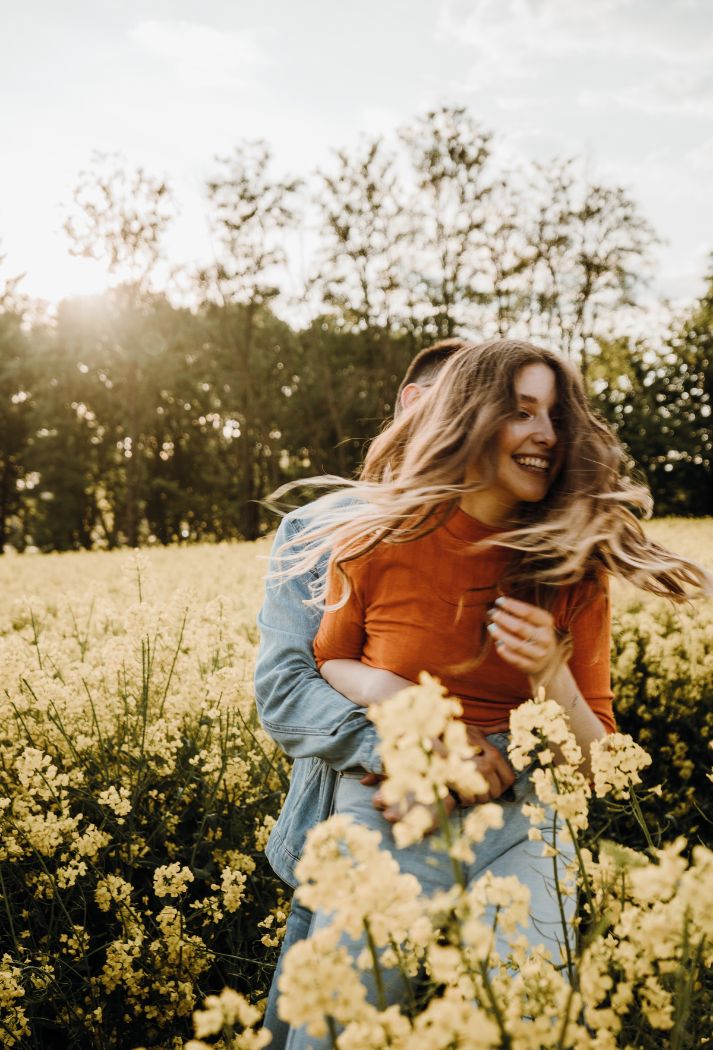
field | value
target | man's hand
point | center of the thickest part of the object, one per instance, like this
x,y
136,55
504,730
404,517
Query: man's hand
x,y
489,761
492,764
396,813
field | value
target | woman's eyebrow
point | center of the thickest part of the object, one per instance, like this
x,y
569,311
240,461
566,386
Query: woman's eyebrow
x,y
535,401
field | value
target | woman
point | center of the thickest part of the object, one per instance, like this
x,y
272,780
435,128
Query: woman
x,y
477,545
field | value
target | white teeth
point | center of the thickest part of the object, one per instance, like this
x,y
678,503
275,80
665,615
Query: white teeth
x,y
532,461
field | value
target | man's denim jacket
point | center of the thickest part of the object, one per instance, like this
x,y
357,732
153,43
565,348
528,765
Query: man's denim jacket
x,y
314,724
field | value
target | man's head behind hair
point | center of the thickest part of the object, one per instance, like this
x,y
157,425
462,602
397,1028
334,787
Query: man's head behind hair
x,y
428,362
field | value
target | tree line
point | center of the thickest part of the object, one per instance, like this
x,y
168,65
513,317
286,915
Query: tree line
x,y
130,418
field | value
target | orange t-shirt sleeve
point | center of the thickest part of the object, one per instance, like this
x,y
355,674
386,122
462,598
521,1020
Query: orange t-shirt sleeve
x,y
342,633
590,662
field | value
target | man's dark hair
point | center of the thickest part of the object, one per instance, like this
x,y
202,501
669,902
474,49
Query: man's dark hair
x,y
428,362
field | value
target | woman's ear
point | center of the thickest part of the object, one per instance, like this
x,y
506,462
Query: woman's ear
x,y
410,394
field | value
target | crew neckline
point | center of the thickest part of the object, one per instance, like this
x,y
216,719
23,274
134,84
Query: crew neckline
x,y
465,527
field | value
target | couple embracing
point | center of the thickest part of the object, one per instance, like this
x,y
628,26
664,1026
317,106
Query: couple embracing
x,y
477,544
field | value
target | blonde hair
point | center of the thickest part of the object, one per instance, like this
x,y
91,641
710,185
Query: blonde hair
x,y
414,476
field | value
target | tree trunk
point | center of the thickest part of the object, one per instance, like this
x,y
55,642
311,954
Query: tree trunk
x,y
3,506
132,465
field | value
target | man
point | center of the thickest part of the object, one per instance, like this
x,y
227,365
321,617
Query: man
x,y
317,727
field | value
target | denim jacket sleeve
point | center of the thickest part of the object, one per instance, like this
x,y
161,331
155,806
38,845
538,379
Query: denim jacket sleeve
x,y
300,711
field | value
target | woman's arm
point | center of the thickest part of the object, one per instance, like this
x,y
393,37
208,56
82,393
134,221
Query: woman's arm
x,y
525,637
365,685
584,724
361,684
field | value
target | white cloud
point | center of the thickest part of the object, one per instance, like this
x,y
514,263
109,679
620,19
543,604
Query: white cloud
x,y
700,158
199,54
516,39
675,91
380,120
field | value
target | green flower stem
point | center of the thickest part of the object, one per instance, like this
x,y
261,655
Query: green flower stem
x,y
8,912
36,638
332,1031
408,987
506,1043
57,896
82,643
445,826
561,1042
685,978
580,860
376,965
560,905
640,818
173,664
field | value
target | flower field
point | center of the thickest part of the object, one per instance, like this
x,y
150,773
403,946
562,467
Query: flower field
x,y
137,791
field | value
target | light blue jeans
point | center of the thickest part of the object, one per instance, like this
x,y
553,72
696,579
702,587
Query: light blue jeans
x,y
503,851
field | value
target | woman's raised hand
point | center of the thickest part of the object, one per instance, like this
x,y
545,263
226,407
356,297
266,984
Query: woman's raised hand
x,y
524,635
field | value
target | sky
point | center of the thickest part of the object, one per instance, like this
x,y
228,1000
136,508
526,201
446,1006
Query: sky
x,y
625,84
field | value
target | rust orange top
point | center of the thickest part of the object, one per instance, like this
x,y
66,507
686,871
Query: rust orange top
x,y
421,606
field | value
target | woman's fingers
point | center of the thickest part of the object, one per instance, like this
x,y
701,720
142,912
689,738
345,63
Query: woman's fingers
x,y
524,634
530,656
532,646
514,655
533,614
520,627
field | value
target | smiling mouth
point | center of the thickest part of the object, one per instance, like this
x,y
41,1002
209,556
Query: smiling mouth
x,y
537,465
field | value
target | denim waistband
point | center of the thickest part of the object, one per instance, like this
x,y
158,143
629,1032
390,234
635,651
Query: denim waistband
x,y
500,740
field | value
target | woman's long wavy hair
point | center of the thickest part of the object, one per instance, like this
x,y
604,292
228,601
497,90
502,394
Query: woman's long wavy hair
x,y
414,476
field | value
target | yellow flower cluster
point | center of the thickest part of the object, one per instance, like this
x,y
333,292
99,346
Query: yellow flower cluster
x,y
136,794
662,677
130,746
617,762
428,758
219,1016
344,871
172,880
646,931
14,1018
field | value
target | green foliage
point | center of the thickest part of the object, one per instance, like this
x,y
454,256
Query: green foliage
x,y
17,378
129,420
659,402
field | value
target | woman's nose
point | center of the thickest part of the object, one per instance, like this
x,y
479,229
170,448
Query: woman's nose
x,y
546,433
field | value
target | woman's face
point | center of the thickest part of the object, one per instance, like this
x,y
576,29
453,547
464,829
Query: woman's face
x,y
529,452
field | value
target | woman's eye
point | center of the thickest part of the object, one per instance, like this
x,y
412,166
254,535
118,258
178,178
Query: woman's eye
x,y
522,413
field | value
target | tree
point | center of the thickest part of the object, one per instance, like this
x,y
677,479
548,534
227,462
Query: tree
x,y
16,386
352,350
361,212
449,153
654,398
120,217
589,250
692,354
505,260
250,213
